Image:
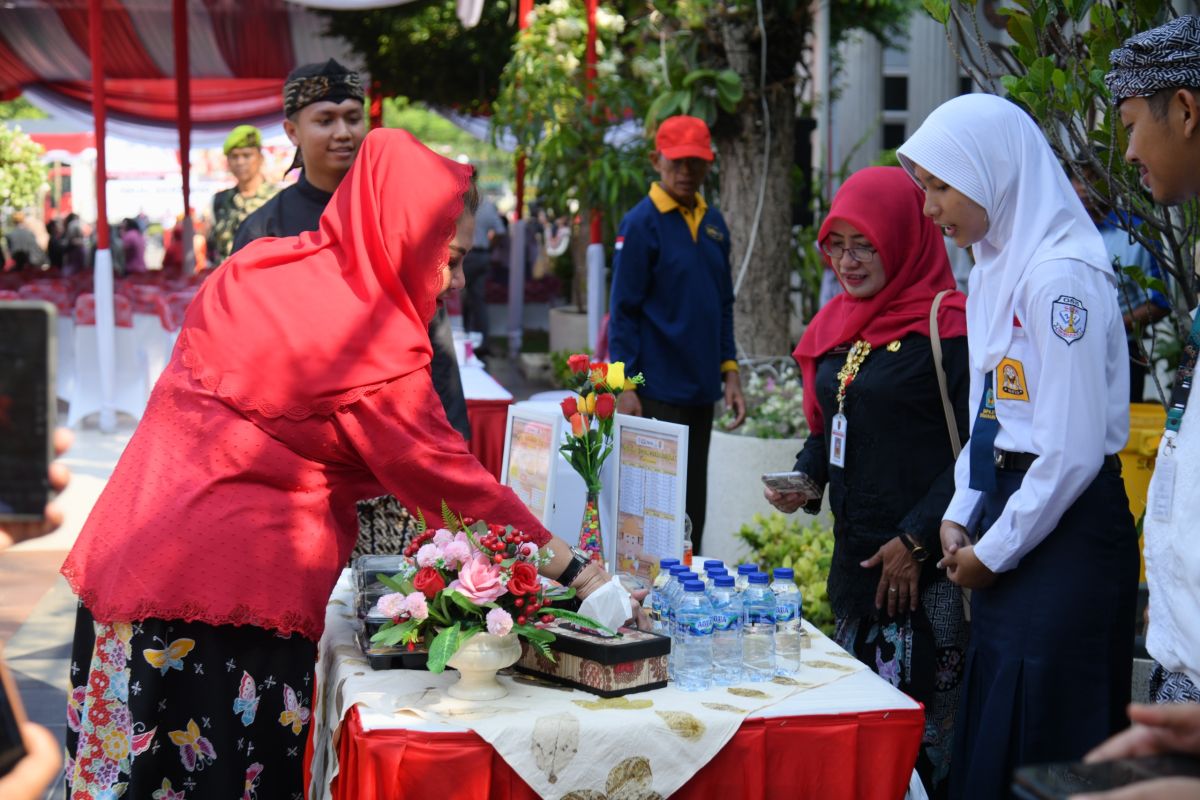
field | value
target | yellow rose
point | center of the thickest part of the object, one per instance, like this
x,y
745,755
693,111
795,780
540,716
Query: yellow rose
x,y
629,386
616,374
590,403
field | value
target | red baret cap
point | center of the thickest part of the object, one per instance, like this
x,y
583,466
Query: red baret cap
x,y
684,137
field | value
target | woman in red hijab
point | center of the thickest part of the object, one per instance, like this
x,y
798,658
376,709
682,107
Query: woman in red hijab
x,y
881,441
300,384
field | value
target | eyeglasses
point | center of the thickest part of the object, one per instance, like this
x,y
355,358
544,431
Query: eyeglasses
x,y
862,255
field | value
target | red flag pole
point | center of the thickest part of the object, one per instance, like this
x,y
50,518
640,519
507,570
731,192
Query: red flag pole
x,y
523,9
183,114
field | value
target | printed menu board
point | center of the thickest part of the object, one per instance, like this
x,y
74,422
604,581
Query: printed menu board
x,y
530,452
651,485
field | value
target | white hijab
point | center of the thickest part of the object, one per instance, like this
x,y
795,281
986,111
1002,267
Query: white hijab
x,y
990,150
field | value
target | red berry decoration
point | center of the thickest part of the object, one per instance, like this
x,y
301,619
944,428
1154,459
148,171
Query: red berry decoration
x,y
547,618
521,620
520,601
498,558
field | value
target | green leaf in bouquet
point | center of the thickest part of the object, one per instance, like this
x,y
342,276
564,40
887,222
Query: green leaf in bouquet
x,y
462,602
534,633
578,619
391,635
398,582
421,526
443,646
449,520
544,649
559,594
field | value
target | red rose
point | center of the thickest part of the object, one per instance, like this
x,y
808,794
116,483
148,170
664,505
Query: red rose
x,y
605,405
428,581
578,362
524,579
570,405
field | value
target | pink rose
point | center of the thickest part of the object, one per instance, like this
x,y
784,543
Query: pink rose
x,y
499,622
479,580
528,549
391,605
428,555
455,554
416,606
443,537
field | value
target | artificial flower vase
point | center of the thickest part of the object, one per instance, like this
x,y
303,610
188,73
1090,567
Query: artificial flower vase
x,y
590,540
477,662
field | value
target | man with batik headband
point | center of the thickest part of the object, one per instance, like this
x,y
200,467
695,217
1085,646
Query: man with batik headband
x,y
327,123
243,154
1155,84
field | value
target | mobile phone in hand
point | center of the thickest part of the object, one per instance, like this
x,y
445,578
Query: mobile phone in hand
x,y
27,407
1062,780
12,747
794,482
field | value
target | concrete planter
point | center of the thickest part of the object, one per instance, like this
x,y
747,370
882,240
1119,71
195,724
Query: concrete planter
x,y
735,488
568,329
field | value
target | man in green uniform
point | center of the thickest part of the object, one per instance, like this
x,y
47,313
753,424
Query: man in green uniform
x,y
243,153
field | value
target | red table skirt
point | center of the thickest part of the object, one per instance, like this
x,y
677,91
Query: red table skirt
x,y
856,756
488,420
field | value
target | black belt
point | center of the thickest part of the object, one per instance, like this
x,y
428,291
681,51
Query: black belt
x,y
1021,462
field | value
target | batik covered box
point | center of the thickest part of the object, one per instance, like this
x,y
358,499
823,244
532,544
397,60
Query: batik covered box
x,y
635,661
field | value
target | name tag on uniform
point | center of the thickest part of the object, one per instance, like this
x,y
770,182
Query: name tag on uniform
x,y
1162,486
837,441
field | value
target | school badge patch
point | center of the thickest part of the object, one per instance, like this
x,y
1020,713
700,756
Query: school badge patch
x,y
1011,381
1068,319
714,233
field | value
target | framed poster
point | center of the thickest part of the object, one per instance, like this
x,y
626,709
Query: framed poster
x,y
530,456
651,483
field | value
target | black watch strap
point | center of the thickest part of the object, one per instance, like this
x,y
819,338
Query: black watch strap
x,y
915,548
578,562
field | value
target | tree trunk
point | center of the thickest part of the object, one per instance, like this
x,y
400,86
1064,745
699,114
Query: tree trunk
x,y
763,306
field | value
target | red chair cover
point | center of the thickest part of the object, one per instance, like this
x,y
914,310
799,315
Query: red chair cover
x,y
172,307
85,310
9,294
488,419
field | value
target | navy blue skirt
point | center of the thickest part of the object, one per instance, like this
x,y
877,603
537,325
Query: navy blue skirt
x,y
1051,651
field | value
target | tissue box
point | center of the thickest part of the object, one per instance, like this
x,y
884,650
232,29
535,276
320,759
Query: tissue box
x,y
610,667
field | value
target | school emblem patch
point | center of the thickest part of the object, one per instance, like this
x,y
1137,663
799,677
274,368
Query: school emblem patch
x,y
1011,381
1068,319
714,233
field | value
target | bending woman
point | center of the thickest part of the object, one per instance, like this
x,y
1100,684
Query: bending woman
x,y
867,358
300,384
1039,524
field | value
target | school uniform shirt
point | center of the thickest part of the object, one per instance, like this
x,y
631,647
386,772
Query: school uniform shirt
x,y
1173,557
672,299
1062,393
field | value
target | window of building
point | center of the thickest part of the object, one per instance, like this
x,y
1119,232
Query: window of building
x,y
893,135
895,93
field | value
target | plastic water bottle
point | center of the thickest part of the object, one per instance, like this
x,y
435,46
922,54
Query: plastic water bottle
x,y
744,571
673,600
693,639
787,622
654,604
711,563
758,629
661,601
727,631
711,573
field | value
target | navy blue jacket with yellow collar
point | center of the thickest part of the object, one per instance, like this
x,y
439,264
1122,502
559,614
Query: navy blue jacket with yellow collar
x,y
672,300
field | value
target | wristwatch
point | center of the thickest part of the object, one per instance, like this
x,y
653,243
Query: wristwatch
x,y
579,561
918,553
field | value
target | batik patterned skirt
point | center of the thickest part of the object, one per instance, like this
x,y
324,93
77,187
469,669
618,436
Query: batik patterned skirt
x,y
921,653
172,710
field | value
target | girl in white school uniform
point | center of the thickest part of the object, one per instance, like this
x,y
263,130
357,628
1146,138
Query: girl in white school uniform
x,y
1039,525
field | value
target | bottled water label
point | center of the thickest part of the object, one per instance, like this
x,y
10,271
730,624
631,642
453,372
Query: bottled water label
x,y
698,627
757,617
726,620
785,612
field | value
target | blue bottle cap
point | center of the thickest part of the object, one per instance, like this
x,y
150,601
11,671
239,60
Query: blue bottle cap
x,y
713,562
688,575
784,573
667,563
723,581
747,569
715,571
693,586
676,570
758,577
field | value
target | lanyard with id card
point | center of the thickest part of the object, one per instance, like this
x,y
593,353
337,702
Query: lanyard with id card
x,y
1162,487
846,375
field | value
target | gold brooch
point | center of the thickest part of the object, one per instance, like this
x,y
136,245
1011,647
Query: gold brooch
x,y
893,346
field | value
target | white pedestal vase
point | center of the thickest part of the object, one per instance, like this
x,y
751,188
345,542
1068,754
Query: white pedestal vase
x,y
477,662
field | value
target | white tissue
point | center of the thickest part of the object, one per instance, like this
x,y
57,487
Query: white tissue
x,y
610,605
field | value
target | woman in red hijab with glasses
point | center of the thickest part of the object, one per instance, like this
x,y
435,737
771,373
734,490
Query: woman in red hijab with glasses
x,y
881,440
300,384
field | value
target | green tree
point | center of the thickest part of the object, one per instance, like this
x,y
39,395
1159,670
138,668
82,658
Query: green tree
x,y
22,173
20,108
740,65
1055,68
422,51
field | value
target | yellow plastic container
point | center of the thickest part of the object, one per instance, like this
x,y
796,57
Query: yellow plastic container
x,y
1146,421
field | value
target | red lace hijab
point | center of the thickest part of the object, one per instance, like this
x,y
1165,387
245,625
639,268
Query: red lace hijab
x,y
885,205
307,324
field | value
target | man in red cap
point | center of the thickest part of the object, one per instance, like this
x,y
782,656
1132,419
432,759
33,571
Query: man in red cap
x,y
672,303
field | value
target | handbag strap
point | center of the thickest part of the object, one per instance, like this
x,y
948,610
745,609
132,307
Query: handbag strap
x,y
936,342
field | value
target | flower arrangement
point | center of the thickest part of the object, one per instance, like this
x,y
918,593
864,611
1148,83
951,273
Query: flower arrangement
x,y
470,578
590,412
774,403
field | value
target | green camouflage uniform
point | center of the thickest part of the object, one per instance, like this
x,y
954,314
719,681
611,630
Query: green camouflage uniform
x,y
229,209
